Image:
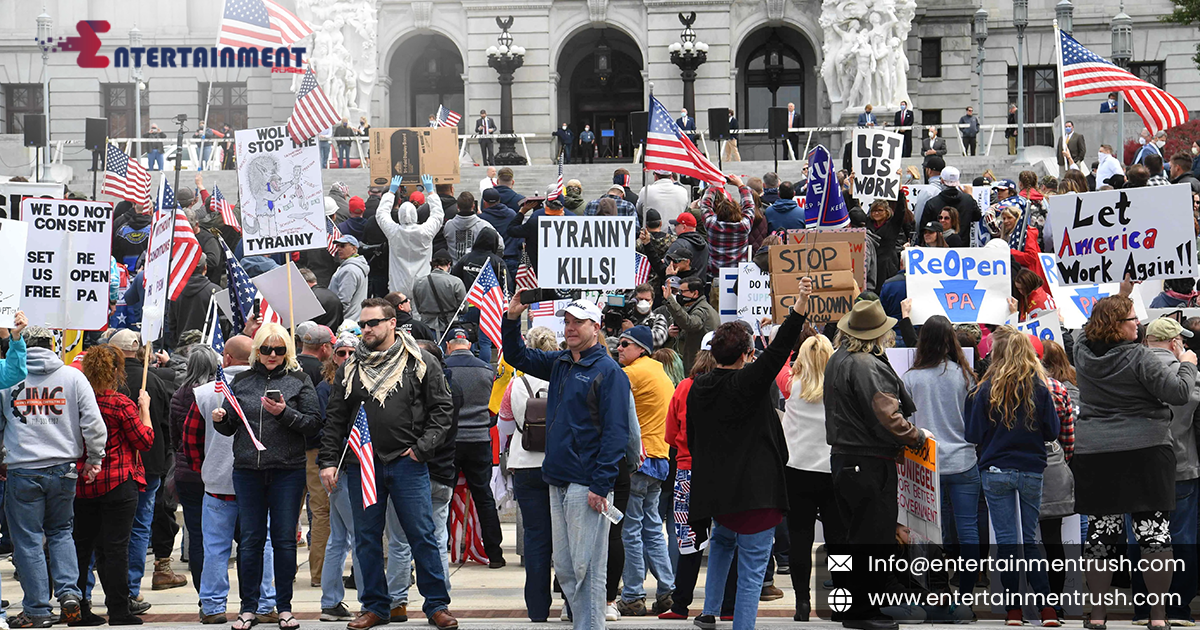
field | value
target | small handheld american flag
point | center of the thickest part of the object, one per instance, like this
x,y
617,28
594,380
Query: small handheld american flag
x,y
241,290
488,297
222,205
185,248
360,443
526,277
222,385
332,233
641,269
558,187
446,117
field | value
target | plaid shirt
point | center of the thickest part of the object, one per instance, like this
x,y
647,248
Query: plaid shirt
x,y
193,445
624,208
1067,412
1158,180
126,436
728,242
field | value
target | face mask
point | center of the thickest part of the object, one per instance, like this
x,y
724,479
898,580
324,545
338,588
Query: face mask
x,y
1101,155
903,107
1069,130
1141,141
1160,143
1195,150
643,306
564,127
587,128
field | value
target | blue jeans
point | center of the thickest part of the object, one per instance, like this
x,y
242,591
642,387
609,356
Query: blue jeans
x,y
533,496
753,551
644,540
41,502
408,482
139,537
341,542
400,553
324,146
1183,546
277,493
960,492
220,524
343,153
580,539
205,153
155,157
1004,489
483,345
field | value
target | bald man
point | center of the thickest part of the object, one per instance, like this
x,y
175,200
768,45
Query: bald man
x,y
211,454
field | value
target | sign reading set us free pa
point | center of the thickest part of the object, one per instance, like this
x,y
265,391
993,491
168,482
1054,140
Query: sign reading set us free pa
x,y
1144,233
586,252
65,283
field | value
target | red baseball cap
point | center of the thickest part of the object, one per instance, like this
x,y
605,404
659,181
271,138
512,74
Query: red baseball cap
x,y
684,218
357,206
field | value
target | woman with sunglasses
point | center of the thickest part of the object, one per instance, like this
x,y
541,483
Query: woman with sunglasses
x,y
281,409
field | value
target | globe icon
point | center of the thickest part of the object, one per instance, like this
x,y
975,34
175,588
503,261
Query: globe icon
x,y
840,600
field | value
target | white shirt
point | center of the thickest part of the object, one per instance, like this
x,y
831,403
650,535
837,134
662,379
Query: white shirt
x,y
666,197
1108,167
518,457
484,184
804,432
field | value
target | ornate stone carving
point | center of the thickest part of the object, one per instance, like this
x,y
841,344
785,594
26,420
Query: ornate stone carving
x,y
344,52
598,10
422,14
864,52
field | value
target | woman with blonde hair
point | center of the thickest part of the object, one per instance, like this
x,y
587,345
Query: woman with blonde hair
x,y
808,475
281,409
1011,415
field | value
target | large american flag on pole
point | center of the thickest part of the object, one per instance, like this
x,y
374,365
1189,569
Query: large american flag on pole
x,y
259,24
313,112
222,385
667,149
447,117
558,186
360,443
185,248
488,297
222,205
125,178
1085,72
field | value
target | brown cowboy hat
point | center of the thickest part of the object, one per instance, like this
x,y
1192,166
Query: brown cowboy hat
x,y
866,321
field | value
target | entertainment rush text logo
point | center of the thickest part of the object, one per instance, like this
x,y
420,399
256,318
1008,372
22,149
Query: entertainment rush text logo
x,y
87,43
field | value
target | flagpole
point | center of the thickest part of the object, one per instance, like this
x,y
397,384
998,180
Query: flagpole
x,y
1062,114
460,307
291,307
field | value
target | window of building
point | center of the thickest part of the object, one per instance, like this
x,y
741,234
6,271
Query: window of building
x,y
774,77
119,104
931,57
21,99
226,104
1040,103
931,117
1149,71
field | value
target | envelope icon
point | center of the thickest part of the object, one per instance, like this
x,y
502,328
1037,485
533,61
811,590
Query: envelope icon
x,y
841,562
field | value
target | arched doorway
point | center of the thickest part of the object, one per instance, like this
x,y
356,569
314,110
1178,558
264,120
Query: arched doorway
x,y
426,71
600,84
776,66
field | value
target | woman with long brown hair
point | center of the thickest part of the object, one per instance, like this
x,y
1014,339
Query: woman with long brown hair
x,y
1011,416
728,225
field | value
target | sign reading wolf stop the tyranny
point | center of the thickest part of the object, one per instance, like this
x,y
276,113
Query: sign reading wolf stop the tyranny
x,y
283,208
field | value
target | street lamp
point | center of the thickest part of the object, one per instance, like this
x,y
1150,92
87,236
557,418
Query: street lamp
x,y
45,37
1122,53
980,33
506,58
135,41
1064,12
689,54
1020,20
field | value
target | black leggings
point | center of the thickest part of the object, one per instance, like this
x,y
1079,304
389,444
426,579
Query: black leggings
x,y
810,495
1052,541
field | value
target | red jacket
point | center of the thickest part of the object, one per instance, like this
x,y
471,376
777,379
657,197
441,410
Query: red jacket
x,y
677,425
1029,257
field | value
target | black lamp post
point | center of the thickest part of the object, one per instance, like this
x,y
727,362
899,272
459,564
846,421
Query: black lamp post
x,y
689,54
980,34
506,58
1021,20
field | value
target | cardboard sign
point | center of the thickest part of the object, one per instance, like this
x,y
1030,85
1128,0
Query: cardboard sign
x,y
876,165
13,193
586,252
754,294
13,236
727,283
823,306
855,237
281,192
828,258
68,251
158,267
918,491
1075,303
965,284
1045,327
789,284
795,258
413,152
1144,233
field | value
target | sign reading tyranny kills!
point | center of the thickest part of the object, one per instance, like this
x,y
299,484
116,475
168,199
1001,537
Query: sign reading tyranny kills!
x,y
67,268
1142,233
586,252
877,164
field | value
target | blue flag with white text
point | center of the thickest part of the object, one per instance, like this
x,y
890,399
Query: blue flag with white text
x,y
824,208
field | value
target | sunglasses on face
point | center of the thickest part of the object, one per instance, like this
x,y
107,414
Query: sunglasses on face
x,y
625,344
344,353
371,323
278,351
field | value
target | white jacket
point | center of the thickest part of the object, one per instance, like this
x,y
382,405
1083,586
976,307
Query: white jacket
x,y
410,243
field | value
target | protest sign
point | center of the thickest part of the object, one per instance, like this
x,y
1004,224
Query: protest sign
x,y
918,491
828,262
586,252
158,266
824,208
727,285
547,316
13,235
413,152
753,294
282,196
855,237
965,284
67,255
274,288
13,193
1045,327
1075,303
983,196
876,165
1144,233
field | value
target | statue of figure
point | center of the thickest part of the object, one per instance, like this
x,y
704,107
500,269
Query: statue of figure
x,y
344,52
864,57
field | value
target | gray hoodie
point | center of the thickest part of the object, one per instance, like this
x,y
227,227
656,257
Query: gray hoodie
x,y
349,282
51,417
1125,393
1183,433
461,232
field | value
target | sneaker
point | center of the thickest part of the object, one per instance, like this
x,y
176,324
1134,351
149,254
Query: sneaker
x,y
23,620
1182,623
71,611
138,606
705,622
611,613
1050,618
671,614
770,594
635,608
337,613
662,604
1014,618
783,569
218,619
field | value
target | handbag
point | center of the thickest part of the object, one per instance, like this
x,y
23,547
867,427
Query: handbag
x,y
1058,484
533,433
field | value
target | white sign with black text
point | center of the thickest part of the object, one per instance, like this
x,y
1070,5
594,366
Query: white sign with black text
x,y
157,270
280,190
877,164
65,284
586,252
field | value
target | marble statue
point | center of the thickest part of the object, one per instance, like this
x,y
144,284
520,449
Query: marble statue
x,y
864,52
344,52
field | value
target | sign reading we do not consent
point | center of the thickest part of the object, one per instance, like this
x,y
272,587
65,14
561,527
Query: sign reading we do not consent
x,y
65,284
586,252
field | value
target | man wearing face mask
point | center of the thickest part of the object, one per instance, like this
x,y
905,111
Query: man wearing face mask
x,y
1075,145
691,317
565,138
638,312
1108,167
587,140
904,118
1147,147
1109,106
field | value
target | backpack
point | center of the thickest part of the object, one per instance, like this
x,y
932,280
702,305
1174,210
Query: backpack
x,y
533,433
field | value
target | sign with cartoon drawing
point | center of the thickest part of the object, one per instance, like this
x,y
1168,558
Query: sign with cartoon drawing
x,y
280,192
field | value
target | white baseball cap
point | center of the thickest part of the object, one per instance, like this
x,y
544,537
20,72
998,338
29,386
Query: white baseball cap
x,y
950,176
581,309
706,342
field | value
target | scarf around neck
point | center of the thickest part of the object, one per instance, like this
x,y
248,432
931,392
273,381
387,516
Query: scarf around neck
x,y
382,372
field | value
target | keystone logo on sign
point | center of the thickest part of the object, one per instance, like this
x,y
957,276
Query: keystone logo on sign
x,y
1086,298
961,300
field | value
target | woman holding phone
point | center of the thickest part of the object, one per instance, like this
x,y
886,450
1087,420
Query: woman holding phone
x,y
281,409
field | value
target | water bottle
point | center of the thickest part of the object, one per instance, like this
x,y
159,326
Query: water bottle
x,y
613,515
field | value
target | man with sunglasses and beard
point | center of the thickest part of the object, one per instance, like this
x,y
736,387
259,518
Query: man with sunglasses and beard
x,y
408,409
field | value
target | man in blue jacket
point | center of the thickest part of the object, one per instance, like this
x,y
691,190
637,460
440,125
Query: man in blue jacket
x,y
587,428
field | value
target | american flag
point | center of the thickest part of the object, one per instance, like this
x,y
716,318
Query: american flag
x,y
241,290
360,443
125,178
667,149
222,205
185,249
313,112
447,118
558,187
542,309
332,233
641,269
259,24
267,313
526,278
221,384
488,297
1085,72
